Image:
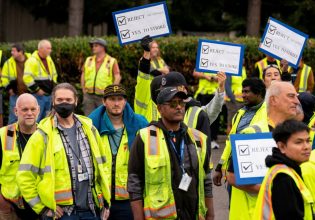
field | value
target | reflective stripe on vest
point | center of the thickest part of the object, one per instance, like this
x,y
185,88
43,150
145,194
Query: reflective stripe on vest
x,y
63,195
162,213
256,128
191,116
154,141
121,192
304,77
10,137
34,169
34,201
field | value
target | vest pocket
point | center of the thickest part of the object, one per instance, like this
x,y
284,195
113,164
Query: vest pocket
x,y
156,172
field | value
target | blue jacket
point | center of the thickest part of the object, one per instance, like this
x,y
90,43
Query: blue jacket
x,y
132,121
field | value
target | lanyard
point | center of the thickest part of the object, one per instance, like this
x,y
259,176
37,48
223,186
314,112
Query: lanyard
x,y
181,155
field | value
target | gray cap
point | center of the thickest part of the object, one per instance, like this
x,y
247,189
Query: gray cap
x,y
168,93
99,41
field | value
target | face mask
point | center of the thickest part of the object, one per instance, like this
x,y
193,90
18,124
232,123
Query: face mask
x,y
64,109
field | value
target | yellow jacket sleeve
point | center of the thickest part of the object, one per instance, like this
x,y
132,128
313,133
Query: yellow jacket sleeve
x,y
30,171
30,71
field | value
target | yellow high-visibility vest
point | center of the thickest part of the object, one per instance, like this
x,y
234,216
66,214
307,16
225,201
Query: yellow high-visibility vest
x,y
264,210
205,87
10,163
262,64
121,166
96,82
159,202
34,70
9,70
236,86
44,176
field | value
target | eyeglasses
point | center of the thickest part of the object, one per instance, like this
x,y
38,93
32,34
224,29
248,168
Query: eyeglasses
x,y
175,103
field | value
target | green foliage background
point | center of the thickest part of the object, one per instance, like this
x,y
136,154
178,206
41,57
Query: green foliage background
x,y
179,53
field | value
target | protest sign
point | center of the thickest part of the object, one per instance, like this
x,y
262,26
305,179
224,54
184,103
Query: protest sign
x,y
283,42
135,23
215,56
249,152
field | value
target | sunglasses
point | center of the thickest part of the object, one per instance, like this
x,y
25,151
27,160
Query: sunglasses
x,y
175,103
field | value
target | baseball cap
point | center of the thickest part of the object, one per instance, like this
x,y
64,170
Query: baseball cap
x,y
115,90
168,93
155,87
99,41
173,79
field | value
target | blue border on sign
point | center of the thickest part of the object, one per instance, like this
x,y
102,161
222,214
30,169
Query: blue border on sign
x,y
290,28
137,8
235,137
224,43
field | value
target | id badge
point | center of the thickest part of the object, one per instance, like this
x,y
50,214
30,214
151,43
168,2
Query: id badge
x,y
83,176
80,168
185,182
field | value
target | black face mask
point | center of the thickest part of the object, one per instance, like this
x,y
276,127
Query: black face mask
x,y
64,109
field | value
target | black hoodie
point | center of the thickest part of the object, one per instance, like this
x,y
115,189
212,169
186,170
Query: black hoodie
x,y
287,201
186,202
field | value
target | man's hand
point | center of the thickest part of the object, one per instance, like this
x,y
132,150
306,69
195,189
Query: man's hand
x,y
40,92
221,80
5,206
104,214
284,65
217,177
145,43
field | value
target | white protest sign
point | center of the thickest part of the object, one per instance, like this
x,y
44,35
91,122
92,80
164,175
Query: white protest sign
x,y
283,42
249,152
215,56
135,23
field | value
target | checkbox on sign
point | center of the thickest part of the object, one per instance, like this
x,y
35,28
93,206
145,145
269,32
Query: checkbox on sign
x,y
121,20
272,29
204,62
125,34
205,49
243,150
247,167
267,42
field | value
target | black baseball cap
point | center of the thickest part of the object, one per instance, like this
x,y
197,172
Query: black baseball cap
x,y
168,93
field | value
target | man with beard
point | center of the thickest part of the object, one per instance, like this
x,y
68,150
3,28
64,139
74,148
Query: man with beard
x,y
14,137
117,125
169,165
61,174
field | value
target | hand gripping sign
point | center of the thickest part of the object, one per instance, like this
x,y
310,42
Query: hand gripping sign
x,y
249,152
283,42
135,23
215,56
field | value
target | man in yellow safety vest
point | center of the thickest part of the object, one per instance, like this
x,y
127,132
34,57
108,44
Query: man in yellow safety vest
x,y
117,125
168,175
99,71
14,137
61,173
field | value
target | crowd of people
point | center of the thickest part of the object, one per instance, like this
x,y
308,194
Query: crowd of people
x,y
152,161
